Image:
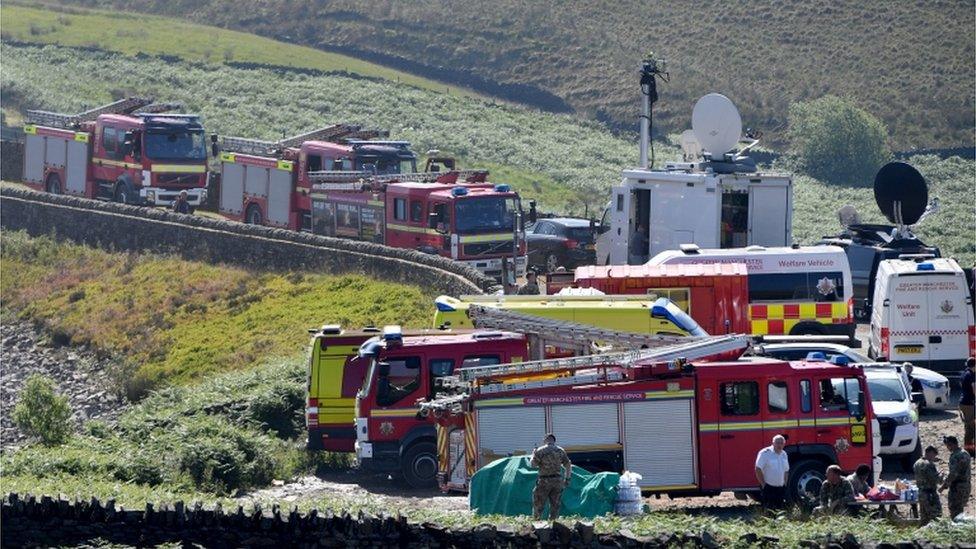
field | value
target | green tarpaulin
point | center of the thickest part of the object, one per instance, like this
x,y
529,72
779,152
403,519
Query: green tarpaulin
x,y
504,487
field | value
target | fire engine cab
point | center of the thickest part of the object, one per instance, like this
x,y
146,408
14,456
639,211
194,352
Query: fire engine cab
x,y
129,151
689,428
338,181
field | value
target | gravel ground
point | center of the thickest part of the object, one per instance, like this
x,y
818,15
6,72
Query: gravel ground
x,y
78,374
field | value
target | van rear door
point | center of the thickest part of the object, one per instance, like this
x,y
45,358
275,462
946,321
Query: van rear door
x,y
908,318
948,317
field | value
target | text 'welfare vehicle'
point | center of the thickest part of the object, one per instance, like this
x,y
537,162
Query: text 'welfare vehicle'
x,y
792,290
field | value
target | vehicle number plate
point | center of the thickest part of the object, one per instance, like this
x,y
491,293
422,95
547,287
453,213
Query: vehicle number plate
x,y
909,349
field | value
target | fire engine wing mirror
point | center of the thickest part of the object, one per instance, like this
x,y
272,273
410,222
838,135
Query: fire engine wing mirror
x,y
214,146
383,369
856,409
533,213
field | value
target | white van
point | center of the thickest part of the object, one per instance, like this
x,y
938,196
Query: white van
x,y
922,312
792,290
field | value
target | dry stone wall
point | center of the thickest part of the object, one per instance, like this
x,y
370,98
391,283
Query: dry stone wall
x,y
130,228
45,521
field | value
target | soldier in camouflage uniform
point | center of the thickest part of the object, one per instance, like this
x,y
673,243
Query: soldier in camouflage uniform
x,y
927,480
836,493
555,470
958,479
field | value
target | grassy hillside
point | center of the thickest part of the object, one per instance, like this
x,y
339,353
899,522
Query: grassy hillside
x,y
134,34
560,160
173,321
909,62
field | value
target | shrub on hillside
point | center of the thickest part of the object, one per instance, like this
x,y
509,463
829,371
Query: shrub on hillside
x,y
221,458
43,413
834,140
279,408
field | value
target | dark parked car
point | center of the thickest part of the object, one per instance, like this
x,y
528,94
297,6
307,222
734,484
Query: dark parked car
x,y
560,242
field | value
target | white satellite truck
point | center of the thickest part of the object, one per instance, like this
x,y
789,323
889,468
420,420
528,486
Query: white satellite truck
x,y
715,198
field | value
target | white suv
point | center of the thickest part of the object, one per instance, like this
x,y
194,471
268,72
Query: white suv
x,y
896,414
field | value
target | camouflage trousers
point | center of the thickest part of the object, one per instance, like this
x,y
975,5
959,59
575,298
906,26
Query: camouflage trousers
x,y
547,489
929,506
958,497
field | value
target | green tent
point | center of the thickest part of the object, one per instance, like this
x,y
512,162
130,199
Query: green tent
x,y
504,487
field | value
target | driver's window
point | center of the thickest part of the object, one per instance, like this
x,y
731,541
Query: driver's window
x,y
403,378
836,393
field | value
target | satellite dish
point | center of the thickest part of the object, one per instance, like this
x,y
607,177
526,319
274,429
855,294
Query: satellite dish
x,y
848,216
690,146
717,124
901,193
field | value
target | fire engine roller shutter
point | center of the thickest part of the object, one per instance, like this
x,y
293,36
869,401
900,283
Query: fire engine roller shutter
x,y
256,181
504,431
232,188
77,167
659,442
585,425
279,197
33,158
56,152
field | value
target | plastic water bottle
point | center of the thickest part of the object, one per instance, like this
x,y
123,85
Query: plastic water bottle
x,y
629,500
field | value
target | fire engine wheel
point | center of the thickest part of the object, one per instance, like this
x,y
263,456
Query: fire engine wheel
x,y
808,328
419,465
53,184
805,479
253,215
552,263
122,194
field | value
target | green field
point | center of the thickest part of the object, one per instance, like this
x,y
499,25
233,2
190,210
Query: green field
x,y
908,62
557,159
135,34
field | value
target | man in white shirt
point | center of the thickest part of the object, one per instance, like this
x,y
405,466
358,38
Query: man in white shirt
x,y
772,470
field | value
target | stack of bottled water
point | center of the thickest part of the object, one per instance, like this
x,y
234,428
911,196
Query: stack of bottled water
x,y
629,500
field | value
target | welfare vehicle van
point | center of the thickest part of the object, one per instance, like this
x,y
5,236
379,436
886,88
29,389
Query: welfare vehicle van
x,y
792,290
922,313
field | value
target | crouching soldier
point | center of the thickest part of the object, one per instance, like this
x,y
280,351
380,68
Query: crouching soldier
x,y
836,493
927,480
555,470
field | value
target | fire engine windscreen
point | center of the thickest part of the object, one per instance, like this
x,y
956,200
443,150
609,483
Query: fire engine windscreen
x,y
176,144
485,214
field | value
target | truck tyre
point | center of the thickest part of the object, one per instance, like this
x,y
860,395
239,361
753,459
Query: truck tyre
x,y
908,460
122,193
803,487
253,215
53,185
419,465
808,328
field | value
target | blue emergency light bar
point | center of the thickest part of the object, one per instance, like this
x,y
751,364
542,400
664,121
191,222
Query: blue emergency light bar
x,y
459,191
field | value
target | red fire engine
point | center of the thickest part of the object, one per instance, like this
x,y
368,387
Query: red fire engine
x,y
128,151
339,182
687,428
715,295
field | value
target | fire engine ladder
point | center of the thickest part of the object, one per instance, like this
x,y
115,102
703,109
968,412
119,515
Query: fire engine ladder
x,y
62,120
329,133
562,333
337,180
244,145
691,349
490,379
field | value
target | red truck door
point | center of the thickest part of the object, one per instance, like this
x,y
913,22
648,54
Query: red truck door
x,y
833,416
740,431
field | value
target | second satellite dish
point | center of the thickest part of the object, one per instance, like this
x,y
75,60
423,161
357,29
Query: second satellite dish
x,y
901,193
717,124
